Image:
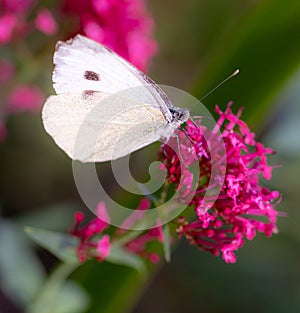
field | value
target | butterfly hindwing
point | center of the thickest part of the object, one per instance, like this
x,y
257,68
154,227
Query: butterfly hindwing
x,y
91,127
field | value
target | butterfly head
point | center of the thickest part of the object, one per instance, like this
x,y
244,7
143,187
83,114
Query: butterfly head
x,y
179,115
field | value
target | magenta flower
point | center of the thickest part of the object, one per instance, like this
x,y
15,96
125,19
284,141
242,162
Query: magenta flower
x,y
13,18
124,26
25,98
139,245
93,246
7,24
241,209
45,22
88,247
16,6
243,206
103,248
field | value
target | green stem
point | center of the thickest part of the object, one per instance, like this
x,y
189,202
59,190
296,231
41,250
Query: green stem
x,y
45,301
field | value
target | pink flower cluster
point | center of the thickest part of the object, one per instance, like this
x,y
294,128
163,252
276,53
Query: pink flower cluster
x,y
17,20
243,206
88,247
122,25
16,97
95,243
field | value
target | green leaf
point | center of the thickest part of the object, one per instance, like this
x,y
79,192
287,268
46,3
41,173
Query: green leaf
x,y
70,299
119,255
22,275
113,288
56,216
166,243
59,295
61,245
264,47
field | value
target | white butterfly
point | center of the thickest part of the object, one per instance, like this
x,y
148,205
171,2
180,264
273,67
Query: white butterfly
x,y
97,115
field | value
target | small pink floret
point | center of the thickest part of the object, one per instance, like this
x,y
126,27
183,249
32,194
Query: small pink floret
x,y
45,22
25,98
7,24
103,247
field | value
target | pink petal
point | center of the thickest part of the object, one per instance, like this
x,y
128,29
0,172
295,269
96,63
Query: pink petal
x,y
103,247
45,22
25,98
7,24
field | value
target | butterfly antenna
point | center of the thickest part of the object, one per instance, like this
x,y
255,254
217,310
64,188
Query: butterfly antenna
x,y
221,83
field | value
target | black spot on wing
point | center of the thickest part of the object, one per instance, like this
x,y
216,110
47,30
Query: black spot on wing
x,y
90,75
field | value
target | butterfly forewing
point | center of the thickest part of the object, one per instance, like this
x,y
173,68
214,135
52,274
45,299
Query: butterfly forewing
x,y
83,64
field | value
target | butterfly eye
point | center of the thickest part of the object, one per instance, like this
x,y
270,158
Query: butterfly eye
x,y
175,114
179,114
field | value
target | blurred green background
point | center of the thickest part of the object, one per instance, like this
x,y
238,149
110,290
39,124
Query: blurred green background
x,y
201,42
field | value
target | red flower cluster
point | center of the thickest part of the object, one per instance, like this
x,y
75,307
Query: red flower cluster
x,y
243,206
94,243
123,26
88,247
17,20
240,209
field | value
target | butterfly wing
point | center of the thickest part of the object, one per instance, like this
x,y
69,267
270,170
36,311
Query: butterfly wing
x,y
91,127
83,64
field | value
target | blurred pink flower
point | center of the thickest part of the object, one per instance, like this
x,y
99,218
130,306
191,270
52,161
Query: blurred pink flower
x,y
45,22
85,234
13,18
103,248
16,6
139,245
7,24
122,25
25,97
91,246
243,206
